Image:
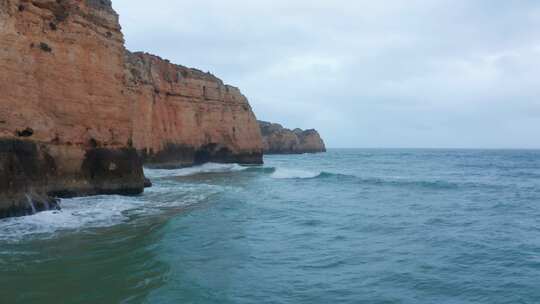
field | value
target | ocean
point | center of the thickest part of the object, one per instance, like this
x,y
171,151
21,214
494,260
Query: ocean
x,y
347,226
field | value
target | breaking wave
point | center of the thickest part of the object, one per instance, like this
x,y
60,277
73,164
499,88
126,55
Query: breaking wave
x,y
104,211
203,169
169,194
402,182
282,173
286,173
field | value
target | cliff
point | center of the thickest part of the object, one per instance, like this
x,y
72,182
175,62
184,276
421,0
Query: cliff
x,y
65,125
279,140
183,116
77,111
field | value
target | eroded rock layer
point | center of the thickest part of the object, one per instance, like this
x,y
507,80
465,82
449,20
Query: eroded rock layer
x,y
279,140
183,116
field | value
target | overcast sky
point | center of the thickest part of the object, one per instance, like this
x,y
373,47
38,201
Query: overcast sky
x,y
395,73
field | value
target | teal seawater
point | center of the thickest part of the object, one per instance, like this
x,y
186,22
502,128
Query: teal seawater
x,y
348,226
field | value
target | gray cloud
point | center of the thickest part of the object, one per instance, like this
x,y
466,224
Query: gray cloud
x,y
396,73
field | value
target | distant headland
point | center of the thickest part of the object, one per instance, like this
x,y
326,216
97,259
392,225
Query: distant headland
x,y
279,140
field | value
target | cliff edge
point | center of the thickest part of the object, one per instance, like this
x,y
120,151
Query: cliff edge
x,y
279,140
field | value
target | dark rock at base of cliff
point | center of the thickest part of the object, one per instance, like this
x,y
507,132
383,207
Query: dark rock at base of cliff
x,y
279,140
147,183
176,156
173,156
23,163
114,171
220,154
31,204
24,170
30,180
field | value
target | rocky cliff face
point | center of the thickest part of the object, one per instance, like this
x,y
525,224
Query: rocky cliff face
x,y
279,140
65,124
183,116
77,110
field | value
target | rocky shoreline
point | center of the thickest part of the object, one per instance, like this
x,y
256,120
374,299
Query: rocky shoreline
x,y
80,114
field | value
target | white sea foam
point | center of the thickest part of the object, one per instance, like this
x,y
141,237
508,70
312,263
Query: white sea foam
x,y
76,213
282,173
83,213
206,168
103,211
109,210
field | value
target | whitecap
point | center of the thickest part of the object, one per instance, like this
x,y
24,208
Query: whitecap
x,y
103,211
282,173
76,213
206,168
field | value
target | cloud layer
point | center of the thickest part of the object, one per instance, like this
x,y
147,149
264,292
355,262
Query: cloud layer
x,y
396,73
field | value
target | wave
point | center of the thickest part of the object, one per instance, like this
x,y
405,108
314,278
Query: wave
x,y
203,169
282,173
77,213
293,173
267,170
83,213
286,173
523,174
400,182
104,211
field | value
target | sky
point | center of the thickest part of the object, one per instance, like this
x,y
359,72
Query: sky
x,y
364,73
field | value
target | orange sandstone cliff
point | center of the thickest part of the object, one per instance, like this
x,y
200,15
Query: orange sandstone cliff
x,y
183,116
79,114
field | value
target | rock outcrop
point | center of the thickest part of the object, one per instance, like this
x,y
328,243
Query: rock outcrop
x,y
279,140
77,110
183,116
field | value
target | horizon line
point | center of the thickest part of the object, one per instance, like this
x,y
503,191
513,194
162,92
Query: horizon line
x,y
427,148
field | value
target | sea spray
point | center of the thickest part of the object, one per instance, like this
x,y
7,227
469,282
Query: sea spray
x,y
283,173
31,204
203,169
83,213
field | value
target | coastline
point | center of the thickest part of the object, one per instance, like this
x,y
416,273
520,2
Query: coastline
x,y
89,113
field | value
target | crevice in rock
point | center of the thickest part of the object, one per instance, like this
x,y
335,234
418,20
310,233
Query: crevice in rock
x,y
28,132
93,143
45,47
